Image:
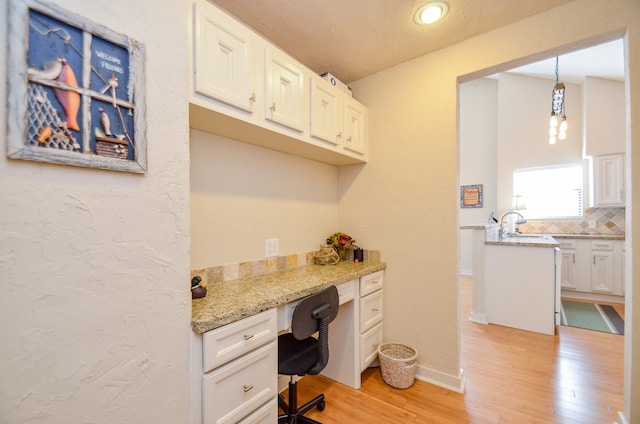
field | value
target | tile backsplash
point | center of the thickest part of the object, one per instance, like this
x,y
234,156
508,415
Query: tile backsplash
x,y
607,220
234,271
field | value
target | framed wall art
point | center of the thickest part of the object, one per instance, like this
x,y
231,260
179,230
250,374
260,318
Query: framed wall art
x,y
75,91
471,196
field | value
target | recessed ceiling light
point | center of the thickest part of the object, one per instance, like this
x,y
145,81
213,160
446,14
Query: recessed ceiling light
x,y
431,12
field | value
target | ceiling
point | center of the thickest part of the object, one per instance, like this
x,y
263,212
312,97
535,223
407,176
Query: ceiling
x,y
356,38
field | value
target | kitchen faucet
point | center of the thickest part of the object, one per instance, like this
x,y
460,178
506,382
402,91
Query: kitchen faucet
x,y
522,220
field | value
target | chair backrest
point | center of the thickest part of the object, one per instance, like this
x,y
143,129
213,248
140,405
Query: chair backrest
x,y
313,314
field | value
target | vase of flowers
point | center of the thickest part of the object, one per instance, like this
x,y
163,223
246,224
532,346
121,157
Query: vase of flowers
x,y
341,242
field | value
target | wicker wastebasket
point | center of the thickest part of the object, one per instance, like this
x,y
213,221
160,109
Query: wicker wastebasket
x,y
398,364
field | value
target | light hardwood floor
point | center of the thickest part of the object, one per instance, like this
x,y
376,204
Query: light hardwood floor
x,y
512,376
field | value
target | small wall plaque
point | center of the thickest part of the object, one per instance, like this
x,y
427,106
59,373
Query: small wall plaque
x,y
471,196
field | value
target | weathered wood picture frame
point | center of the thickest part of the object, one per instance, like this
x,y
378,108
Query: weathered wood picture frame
x,y
75,91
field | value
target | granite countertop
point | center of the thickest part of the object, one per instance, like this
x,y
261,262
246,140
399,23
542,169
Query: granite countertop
x,y
528,240
586,236
234,300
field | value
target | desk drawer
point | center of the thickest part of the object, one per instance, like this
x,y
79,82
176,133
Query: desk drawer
x,y
235,390
267,414
370,283
346,293
370,310
226,343
369,343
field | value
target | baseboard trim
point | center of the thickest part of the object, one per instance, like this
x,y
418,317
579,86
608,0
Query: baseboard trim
x,y
623,419
596,297
450,382
479,318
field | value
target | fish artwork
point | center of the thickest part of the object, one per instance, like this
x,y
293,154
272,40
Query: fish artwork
x,y
70,100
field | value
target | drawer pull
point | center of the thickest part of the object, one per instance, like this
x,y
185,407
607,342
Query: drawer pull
x,y
374,309
249,336
246,387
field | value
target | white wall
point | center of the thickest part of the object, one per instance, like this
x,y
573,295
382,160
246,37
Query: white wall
x,y
412,175
604,116
477,156
94,265
524,105
243,194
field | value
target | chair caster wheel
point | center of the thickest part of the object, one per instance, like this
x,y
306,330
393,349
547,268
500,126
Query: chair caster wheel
x,y
321,406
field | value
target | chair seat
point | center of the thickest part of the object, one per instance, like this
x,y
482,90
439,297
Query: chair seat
x,y
296,357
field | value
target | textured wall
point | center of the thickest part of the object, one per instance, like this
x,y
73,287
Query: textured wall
x,y
409,188
94,265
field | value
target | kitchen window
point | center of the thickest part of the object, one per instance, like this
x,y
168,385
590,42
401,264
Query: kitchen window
x,y
551,191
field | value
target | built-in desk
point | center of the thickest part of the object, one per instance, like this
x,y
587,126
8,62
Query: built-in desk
x,y
240,320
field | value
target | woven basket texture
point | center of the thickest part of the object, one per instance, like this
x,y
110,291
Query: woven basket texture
x,y
398,364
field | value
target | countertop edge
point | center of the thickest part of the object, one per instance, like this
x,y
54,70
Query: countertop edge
x,y
232,301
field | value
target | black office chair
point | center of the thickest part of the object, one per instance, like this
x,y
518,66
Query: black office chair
x,y
299,353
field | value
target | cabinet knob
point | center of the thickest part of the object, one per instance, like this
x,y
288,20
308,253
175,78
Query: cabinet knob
x,y
248,336
247,387
374,309
348,139
252,99
273,108
339,136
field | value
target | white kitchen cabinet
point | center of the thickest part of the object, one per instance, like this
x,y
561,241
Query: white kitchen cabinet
x,y
235,370
608,180
575,270
602,275
355,125
326,111
371,317
284,90
521,288
567,272
246,88
222,54
592,269
337,118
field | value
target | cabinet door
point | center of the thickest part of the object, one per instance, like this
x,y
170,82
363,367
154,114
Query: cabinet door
x,y
602,272
326,111
609,180
369,343
222,56
285,91
355,115
567,273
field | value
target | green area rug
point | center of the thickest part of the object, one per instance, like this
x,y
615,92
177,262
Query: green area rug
x,y
592,317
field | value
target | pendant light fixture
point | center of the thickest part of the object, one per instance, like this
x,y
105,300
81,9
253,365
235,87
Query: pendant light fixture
x,y
558,120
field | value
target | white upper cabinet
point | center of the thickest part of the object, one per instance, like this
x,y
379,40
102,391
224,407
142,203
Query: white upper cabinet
x,y
222,57
285,90
326,111
354,125
608,180
245,88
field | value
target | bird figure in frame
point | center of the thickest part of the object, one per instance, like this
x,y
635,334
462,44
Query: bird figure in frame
x,y
105,122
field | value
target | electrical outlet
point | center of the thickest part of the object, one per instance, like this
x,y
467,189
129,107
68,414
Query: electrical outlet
x,y
271,248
